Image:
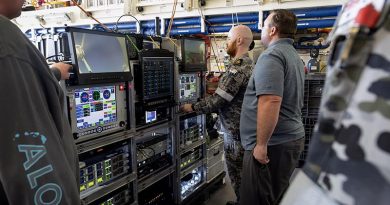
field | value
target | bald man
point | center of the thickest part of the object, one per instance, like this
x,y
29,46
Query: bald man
x,y
228,98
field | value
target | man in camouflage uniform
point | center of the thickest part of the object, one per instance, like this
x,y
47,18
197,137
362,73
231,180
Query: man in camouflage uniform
x,y
349,156
228,98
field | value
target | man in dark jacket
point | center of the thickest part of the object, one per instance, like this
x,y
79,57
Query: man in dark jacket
x,y
38,164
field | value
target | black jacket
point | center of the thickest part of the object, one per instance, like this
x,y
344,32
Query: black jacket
x,y
38,160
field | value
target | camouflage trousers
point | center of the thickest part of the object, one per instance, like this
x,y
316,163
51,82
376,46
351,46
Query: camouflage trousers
x,y
234,153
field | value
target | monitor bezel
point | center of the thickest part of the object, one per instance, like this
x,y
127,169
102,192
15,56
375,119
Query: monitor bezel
x,y
78,78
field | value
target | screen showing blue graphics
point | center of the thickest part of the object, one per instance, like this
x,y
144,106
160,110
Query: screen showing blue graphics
x,y
151,116
101,53
95,106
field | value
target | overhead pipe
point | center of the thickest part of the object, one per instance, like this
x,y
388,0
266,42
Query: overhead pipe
x,y
122,25
322,23
148,24
252,17
249,17
127,30
184,22
317,12
148,31
219,29
130,26
224,29
186,31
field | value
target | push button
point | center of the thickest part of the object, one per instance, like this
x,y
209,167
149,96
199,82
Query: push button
x,y
99,129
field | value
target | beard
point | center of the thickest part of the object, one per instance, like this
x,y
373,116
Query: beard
x,y
232,49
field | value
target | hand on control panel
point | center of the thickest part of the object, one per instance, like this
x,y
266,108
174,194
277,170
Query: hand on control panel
x,y
64,68
186,108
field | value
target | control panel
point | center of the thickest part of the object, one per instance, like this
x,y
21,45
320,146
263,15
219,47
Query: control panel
x,y
147,116
98,110
153,155
104,165
190,157
157,78
124,195
191,129
160,193
154,87
154,76
189,87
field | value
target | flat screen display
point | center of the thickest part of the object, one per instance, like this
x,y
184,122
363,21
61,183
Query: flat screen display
x,y
195,52
151,116
158,77
98,53
95,106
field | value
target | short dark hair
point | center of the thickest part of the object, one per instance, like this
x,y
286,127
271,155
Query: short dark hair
x,y
285,22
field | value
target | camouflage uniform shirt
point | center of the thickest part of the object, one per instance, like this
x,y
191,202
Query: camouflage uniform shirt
x,y
349,153
227,99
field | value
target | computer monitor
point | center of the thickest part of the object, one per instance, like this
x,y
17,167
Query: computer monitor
x,y
97,110
193,55
155,75
95,106
98,57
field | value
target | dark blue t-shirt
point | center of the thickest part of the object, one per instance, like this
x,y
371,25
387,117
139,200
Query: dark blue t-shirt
x,y
278,71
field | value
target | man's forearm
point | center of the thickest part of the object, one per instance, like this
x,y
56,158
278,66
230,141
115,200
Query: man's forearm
x,y
210,104
268,108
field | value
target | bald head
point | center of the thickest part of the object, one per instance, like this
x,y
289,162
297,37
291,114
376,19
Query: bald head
x,y
239,39
242,32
